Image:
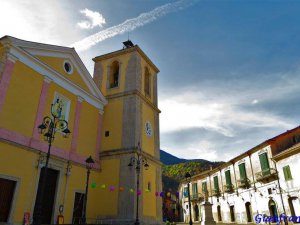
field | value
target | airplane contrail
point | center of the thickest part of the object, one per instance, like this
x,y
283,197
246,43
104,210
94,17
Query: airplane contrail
x,y
132,24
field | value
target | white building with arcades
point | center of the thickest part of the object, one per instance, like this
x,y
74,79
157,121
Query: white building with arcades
x,y
263,180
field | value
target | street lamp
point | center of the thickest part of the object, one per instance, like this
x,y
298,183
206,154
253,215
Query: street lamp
x,y
139,162
50,126
188,180
89,165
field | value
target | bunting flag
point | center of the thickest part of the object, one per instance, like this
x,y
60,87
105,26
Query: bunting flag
x,y
169,194
111,188
177,194
93,185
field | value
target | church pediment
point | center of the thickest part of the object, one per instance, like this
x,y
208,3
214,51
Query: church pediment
x,y
62,63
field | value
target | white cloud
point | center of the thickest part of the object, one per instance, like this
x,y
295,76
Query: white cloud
x,y
95,19
215,113
255,101
196,150
131,24
36,20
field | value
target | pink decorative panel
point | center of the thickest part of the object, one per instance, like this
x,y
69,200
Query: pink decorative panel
x,y
41,109
7,72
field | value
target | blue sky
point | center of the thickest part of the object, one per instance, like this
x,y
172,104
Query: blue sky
x,y
230,70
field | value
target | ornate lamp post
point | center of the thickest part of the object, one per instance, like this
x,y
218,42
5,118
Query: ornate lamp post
x,y
138,162
188,180
89,165
50,126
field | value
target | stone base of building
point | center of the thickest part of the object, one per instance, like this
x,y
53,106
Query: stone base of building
x,y
207,216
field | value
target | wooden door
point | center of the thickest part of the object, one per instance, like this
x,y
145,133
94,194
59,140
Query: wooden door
x,y
49,195
7,189
77,208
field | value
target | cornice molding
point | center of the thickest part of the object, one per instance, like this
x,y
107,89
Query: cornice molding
x,y
134,92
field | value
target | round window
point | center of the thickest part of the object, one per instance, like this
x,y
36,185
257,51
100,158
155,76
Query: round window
x,y
68,67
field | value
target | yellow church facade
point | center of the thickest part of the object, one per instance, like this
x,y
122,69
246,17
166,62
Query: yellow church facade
x,y
112,116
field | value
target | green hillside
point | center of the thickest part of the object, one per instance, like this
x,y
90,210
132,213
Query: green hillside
x,y
173,174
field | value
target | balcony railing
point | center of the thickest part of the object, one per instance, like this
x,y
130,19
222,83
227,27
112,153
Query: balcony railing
x,y
228,188
244,183
216,192
266,176
197,197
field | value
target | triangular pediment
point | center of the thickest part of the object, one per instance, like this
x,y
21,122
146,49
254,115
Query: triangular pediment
x,y
54,58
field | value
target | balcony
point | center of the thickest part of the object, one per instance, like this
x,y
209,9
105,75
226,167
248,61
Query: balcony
x,y
266,176
216,192
245,183
228,188
197,197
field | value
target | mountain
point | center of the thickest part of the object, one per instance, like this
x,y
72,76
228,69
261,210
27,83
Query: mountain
x,y
168,159
175,168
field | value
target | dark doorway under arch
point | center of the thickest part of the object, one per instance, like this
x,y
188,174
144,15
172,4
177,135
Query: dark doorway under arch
x,y
219,213
232,216
248,211
292,209
196,213
273,208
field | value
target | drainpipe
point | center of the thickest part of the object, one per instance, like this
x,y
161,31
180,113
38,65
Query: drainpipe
x,y
280,192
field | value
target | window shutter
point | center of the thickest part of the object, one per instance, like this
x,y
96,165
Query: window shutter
x,y
287,173
204,187
216,183
228,178
242,170
264,163
195,189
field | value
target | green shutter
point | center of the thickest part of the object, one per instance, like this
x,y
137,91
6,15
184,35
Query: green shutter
x,y
204,187
228,178
216,183
195,189
287,173
242,170
264,164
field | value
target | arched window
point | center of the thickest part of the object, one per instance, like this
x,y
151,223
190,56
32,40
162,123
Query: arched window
x,y
114,75
147,82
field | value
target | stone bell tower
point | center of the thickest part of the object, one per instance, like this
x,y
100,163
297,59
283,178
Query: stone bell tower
x,y
128,80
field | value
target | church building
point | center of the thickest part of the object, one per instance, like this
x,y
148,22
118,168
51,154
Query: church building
x,y
111,117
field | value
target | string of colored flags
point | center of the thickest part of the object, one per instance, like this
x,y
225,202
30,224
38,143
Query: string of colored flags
x,y
112,188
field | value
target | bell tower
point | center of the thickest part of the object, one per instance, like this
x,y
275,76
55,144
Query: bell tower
x,y
128,80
